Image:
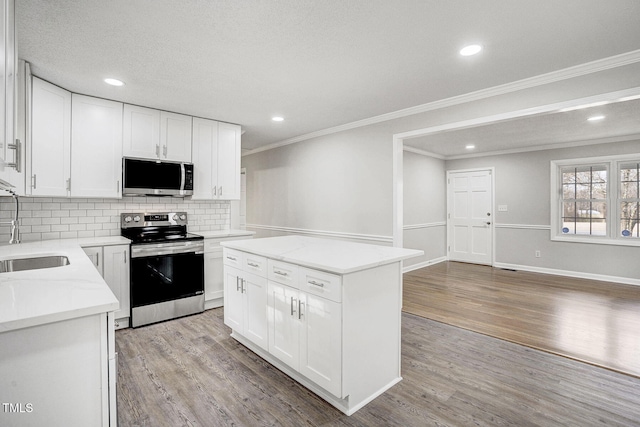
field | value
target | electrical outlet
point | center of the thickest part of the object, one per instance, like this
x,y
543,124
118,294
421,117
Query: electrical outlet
x,y
537,254
502,208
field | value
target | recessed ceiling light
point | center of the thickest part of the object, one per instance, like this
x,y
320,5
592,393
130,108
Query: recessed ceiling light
x,y
277,119
595,118
472,49
469,146
114,82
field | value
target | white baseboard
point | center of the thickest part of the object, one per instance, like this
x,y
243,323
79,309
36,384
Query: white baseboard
x,y
568,273
423,264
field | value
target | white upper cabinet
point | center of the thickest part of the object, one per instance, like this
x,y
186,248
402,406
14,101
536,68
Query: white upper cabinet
x,y
96,147
216,158
141,132
8,59
228,162
175,137
49,156
155,134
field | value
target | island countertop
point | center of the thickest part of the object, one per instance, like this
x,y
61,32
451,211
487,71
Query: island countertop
x,y
35,297
335,256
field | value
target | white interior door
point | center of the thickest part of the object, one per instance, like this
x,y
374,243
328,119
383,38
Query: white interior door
x,y
470,216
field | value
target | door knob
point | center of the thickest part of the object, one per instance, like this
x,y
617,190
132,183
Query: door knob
x,y
488,223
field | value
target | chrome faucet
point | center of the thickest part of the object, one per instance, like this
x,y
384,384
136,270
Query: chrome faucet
x,y
15,230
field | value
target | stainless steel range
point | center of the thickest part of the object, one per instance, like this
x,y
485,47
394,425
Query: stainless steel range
x,y
167,266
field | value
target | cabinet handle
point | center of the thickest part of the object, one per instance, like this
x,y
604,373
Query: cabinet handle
x,y
253,264
215,190
97,259
293,310
281,273
33,181
17,158
158,150
313,282
68,184
238,283
118,187
243,288
164,151
125,256
300,304
220,192
231,258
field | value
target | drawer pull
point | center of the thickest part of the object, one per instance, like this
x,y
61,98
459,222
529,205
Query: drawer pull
x,y
313,282
231,258
253,264
281,273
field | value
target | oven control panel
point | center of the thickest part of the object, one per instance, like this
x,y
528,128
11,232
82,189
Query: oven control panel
x,y
146,219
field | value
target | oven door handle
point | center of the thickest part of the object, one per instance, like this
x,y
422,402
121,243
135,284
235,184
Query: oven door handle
x,y
155,250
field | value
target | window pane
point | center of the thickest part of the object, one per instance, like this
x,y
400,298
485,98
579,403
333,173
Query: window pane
x,y
629,190
629,172
584,191
583,177
598,227
568,227
569,210
568,176
630,219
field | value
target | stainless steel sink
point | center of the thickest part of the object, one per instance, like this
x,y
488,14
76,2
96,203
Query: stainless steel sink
x,y
33,263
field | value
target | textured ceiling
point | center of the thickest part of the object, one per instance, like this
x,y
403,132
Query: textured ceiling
x,y
621,121
319,64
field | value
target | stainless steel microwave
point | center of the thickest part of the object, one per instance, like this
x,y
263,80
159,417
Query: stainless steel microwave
x,y
143,177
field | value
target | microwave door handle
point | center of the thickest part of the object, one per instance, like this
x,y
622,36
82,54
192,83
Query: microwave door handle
x,y
183,176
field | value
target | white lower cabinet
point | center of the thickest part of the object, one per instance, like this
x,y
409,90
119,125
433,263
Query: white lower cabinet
x,y
60,374
246,305
113,264
213,271
303,333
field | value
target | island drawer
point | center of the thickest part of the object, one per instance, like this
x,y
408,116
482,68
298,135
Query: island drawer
x,y
232,258
322,284
282,272
255,264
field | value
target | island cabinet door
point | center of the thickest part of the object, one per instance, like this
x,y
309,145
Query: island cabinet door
x,y
321,342
233,301
254,290
284,324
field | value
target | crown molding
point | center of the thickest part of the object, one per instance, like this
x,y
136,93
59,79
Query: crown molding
x,y
615,61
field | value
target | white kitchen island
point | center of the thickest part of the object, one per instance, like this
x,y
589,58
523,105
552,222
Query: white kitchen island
x,y
57,340
325,312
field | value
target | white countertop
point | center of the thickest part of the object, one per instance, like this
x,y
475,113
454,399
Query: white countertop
x,y
219,234
35,297
335,256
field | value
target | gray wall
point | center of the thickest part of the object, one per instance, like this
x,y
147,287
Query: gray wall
x,y
424,208
339,185
522,182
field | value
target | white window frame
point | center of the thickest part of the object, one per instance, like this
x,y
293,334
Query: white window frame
x,y
613,200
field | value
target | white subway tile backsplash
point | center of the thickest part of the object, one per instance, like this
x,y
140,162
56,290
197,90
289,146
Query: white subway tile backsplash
x,y
52,218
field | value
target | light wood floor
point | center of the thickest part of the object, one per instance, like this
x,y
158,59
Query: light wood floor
x,y
596,322
190,372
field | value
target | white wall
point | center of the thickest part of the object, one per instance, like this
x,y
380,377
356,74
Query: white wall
x,y
522,182
43,218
